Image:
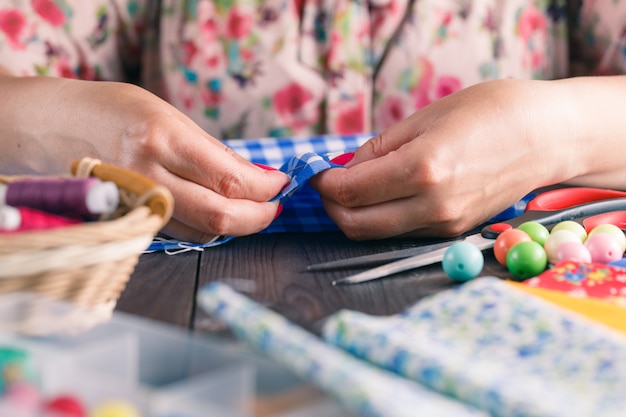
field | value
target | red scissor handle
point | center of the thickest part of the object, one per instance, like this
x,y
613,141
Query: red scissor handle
x,y
618,218
593,205
563,198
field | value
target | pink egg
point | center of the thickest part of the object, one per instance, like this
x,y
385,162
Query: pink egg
x,y
604,248
572,250
23,395
555,240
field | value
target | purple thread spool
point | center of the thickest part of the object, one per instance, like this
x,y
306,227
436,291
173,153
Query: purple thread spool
x,y
85,197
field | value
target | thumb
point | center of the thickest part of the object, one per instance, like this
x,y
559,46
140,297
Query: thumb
x,y
387,141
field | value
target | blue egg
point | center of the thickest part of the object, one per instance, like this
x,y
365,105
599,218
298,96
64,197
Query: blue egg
x,y
462,261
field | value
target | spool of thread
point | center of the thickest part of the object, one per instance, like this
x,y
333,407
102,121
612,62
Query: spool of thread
x,y
19,219
85,197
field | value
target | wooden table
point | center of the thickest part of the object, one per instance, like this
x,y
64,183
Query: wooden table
x,y
271,268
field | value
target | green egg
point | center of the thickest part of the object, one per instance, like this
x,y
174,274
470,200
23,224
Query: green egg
x,y
526,260
536,231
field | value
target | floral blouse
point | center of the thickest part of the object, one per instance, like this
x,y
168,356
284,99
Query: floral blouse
x,y
257,68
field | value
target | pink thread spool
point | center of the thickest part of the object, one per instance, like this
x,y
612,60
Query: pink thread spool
x,y
84,197
19,219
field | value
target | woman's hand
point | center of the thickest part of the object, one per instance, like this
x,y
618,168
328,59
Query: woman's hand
x,y
456,163
46,123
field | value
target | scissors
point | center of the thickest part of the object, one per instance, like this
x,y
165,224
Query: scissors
x,y
587,206
380,258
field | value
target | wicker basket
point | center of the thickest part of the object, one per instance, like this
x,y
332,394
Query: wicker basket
x,y
68,279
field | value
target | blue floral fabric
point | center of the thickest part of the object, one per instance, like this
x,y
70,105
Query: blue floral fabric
x,y
361,387
496,348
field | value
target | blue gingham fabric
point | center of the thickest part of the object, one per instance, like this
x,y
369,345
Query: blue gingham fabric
x,y
301,158
302,207
276,152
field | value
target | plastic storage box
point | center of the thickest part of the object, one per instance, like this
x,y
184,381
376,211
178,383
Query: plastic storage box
x,y
166,371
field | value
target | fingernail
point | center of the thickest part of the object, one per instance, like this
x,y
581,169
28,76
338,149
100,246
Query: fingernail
x,y
278,211
343,159
265,167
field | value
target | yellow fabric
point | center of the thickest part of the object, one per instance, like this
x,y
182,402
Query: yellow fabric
x,y
610,315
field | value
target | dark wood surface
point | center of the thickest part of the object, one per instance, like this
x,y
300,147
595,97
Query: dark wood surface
x,y
162,288
271,268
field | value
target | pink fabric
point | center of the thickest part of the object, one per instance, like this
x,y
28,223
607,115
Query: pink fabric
x,y
245,69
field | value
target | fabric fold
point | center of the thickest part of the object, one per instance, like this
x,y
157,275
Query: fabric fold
x,y
360,386
301,158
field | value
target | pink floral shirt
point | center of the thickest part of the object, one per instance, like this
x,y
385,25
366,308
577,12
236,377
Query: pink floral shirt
x,y
257,68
